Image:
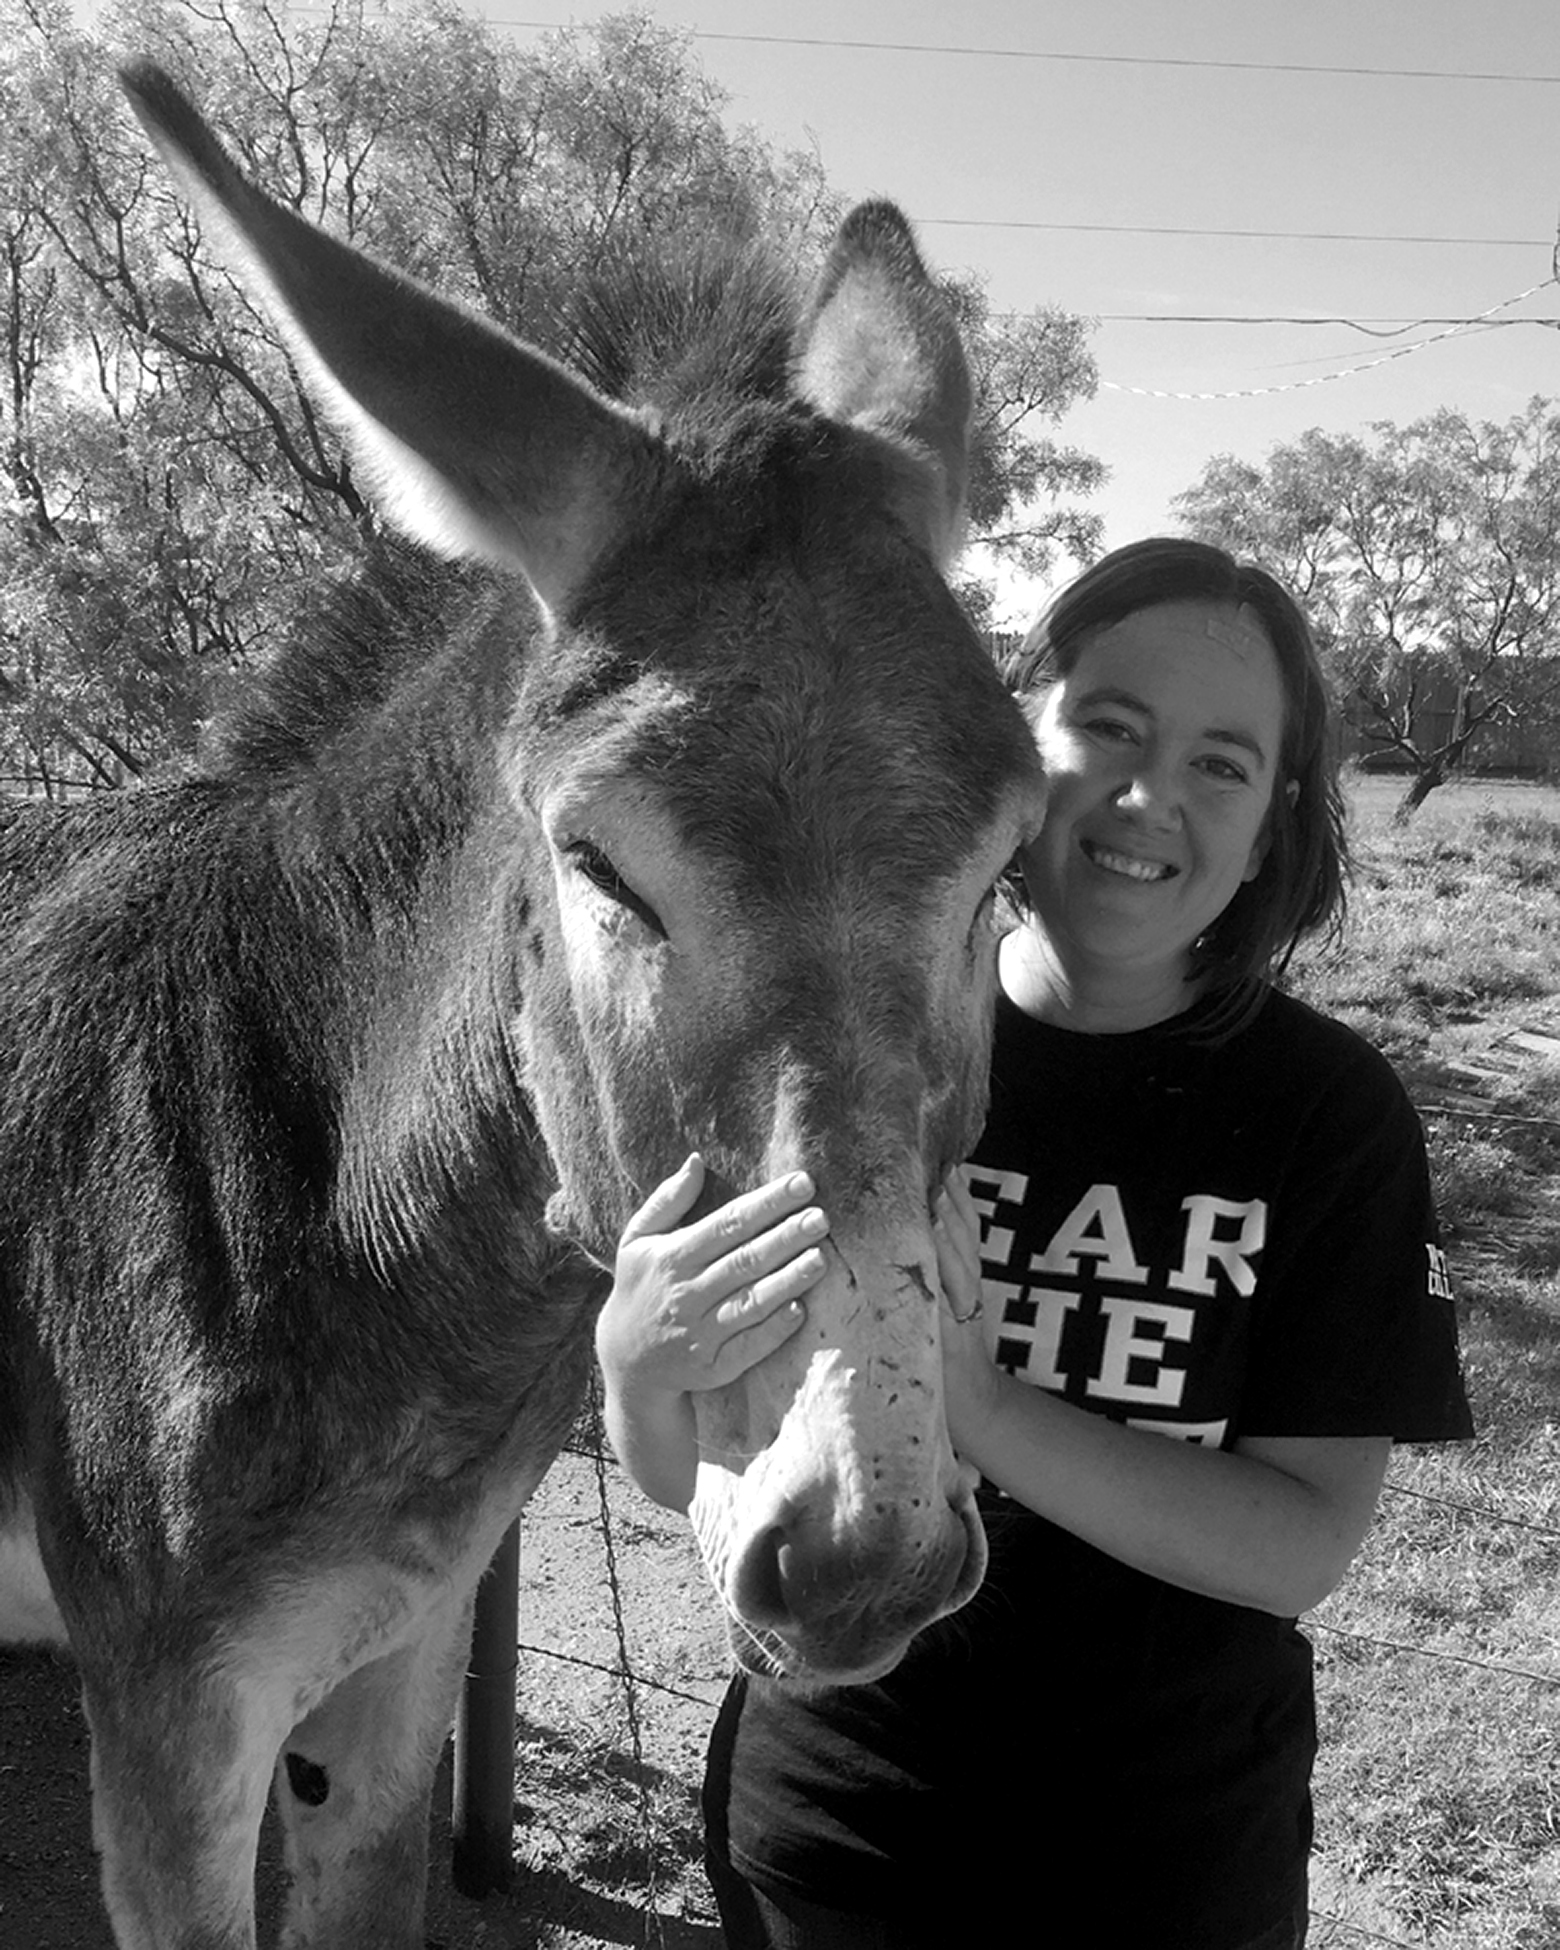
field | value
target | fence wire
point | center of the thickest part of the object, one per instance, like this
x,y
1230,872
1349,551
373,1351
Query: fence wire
x,y
637,1686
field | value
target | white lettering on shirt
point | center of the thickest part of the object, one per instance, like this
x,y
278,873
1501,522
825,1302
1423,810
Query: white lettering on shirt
x,y
1096,1228
1071,1333
1029,1331
988,1189
1127,1344
1203,1249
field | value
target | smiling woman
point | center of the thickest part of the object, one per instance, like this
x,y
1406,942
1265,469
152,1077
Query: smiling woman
x,y
1166,599
1192,1295
1161,748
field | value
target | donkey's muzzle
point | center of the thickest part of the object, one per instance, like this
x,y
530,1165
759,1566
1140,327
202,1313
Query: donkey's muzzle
x,y
810,1607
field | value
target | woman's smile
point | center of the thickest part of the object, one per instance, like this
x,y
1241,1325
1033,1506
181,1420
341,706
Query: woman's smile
x,y
1125,865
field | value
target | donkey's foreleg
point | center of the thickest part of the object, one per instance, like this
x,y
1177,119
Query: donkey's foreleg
x,y
353,1785
181,1760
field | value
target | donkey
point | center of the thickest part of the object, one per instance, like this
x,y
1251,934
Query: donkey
x,y
334,1066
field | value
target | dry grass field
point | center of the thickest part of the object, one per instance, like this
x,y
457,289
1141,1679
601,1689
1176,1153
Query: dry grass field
x,y
1438,1792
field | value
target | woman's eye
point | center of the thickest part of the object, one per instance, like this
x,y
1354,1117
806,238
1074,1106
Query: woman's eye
x,y
598,869
1110,729
1225,771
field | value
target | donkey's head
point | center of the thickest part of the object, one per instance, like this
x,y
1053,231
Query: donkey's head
x,y
760,779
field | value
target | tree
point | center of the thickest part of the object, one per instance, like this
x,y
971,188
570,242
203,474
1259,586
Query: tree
x,y
172,501
1428,558
1027,366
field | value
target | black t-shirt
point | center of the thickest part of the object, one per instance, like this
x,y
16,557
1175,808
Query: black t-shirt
x,y
1211,1240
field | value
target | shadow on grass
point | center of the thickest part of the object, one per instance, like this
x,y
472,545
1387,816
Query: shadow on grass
x,y
1510,1343
553,1901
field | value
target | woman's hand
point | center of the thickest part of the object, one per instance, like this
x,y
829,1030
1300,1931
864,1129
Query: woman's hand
x,y
970,1378
693,1307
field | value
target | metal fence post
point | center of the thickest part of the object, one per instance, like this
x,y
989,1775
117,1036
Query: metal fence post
x,y
484,1792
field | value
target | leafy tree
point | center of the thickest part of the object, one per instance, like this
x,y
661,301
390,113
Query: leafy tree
x,y
171,501
1027,367
1428,557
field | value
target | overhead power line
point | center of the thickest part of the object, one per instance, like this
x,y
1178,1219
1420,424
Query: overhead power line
x,y
1394,328
1187,230
1127,60
1482,322
1105,60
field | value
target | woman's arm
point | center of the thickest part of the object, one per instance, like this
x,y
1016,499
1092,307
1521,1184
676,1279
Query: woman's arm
x,y
1272,1523
693,1307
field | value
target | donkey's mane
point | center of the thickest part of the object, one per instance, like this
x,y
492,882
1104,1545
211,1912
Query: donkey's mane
x,y
345,657
697,332
699,336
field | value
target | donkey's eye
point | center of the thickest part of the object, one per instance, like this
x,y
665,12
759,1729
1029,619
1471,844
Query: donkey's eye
x,y
982,925
1009,884
598,869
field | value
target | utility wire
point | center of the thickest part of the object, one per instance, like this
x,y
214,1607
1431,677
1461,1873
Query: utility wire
x,y
1103,60
1396,327
1129,60
1263,236
1345,372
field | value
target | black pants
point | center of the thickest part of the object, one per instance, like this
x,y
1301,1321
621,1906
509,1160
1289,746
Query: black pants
x,y
752,1921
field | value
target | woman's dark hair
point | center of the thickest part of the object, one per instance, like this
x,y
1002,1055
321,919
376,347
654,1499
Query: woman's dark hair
x,y
1301,885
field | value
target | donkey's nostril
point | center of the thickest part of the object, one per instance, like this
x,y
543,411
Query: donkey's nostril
x,y
785,1576
801,1576
760,1581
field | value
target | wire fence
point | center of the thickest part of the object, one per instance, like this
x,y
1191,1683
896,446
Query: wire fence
x,y
639,1689
624,1670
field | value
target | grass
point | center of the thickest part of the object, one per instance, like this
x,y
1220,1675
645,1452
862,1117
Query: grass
x,y
1438,1660
1455,919
1438,1787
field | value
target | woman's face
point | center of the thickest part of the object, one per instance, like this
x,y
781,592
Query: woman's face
x,y
1162,750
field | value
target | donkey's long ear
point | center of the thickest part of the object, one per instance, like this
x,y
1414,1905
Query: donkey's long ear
x,y
881,351
479,445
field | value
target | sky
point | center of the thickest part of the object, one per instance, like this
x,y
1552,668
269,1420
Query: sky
x,y
1051,145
